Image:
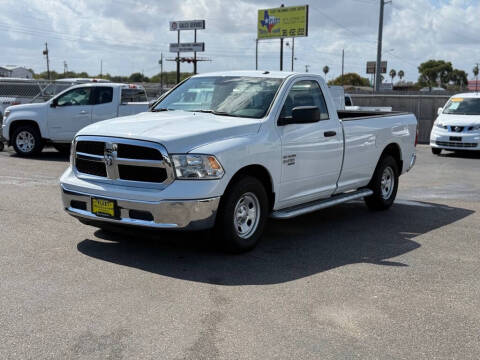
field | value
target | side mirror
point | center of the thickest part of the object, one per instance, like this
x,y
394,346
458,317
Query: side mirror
x,y
54,103
439,111
301,115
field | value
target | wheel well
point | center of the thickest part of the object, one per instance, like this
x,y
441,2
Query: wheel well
x,y
262,174
18,123
394,151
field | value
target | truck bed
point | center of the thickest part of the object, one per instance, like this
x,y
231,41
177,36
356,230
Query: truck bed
x,y
347,115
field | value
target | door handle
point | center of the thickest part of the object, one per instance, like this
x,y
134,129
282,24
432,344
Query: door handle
x,y
329,133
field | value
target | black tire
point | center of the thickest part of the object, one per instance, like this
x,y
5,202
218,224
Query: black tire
x,y
436,151
34,147
234,215
62,148
383,195
2,145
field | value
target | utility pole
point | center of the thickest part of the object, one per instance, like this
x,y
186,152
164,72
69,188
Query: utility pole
x,y
379,48
178,58
45,52
293,51
343,62
281,48
281,54
195,53
161,73
256,54
306,68
65,68
101,67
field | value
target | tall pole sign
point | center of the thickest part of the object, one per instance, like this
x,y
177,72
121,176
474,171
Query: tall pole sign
x,y
187,47
280,23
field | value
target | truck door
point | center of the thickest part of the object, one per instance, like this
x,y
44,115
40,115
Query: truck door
x,y
103,106
311,152
69,113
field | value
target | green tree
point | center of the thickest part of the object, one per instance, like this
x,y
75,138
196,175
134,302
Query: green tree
x,y
434,72
401,74
459,78
350,79
392,74
138,77
326,69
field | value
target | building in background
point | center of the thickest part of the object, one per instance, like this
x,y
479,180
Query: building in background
x,y
14,71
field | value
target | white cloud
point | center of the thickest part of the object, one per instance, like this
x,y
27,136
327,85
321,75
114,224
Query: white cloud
x,y
130,34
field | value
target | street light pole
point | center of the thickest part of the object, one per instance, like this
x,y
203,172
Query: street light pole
x,y
379,48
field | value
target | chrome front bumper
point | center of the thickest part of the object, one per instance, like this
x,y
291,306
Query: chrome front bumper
x,y
171,214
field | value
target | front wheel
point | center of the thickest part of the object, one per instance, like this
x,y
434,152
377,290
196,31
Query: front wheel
x,y
242,215
2,145
384,184
436,151
27,141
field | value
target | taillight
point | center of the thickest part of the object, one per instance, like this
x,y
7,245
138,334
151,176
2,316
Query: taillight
x,y
16,103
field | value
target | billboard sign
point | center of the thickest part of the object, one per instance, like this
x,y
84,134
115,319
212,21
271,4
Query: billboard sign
x,y
187,25
371,67
187,47
291,21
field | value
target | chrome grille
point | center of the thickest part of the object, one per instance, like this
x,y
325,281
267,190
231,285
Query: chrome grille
x,y
456,144
122,161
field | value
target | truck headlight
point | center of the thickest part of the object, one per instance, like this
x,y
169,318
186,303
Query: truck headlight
x,y
440,125
197,167
474,128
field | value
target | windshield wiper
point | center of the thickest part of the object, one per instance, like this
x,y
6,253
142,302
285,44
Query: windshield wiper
x,y
161,109
223,113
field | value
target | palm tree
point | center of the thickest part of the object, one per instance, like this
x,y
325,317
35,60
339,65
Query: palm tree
x,y
475,73
401,74
392,74
326,69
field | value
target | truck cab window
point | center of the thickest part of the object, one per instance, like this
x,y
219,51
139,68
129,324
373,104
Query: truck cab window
x,y
133,95
103,95
80,96
305,93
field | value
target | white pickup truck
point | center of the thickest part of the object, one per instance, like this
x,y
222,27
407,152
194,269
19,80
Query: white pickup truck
x,y
29,127
227,150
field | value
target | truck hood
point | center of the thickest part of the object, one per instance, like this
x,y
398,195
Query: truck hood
x,y
459,120
179,131
28,107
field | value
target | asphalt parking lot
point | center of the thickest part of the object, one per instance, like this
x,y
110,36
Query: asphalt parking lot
x,y
342,283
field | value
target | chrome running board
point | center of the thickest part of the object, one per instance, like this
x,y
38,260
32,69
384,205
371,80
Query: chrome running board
x,y
298,210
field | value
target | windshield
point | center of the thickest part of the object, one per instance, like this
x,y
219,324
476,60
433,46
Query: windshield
x,y
463,106
223,95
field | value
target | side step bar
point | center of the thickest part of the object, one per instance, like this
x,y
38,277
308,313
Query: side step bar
x,y
298,210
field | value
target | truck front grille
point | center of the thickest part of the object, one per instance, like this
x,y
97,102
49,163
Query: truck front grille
x,y
122,160
456,144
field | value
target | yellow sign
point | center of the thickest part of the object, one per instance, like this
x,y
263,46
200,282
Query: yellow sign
x,y
281,22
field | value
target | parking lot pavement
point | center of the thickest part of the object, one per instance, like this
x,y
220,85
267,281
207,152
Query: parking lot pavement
x,y
340,283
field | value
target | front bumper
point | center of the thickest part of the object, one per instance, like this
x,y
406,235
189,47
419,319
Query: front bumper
x,y
443,139
165,214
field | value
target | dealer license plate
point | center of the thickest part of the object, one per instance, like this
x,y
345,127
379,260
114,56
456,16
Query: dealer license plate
x,y
105,208
455,138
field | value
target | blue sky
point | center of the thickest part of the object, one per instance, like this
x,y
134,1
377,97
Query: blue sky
x,y
129,35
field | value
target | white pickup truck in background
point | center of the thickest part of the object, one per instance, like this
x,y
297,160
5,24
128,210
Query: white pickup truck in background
x,y
29,127
227,150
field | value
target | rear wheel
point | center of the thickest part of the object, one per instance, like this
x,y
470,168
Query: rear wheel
x,y
384,184
27,141
242,215
2,146
436,151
